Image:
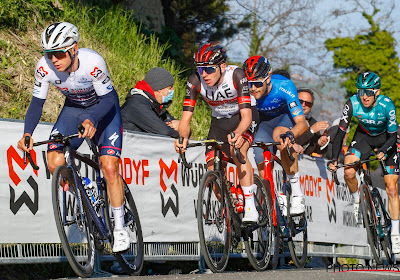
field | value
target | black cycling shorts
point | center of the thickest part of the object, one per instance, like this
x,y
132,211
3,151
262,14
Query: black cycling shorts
x,y
220,128
363,144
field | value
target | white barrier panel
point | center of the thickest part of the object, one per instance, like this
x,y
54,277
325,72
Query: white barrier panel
x,y
165,193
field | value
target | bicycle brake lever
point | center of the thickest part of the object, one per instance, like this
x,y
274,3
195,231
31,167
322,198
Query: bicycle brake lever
x,y
236,151
182,155
28,154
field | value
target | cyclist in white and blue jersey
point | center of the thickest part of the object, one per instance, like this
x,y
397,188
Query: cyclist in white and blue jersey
x,y
281,116
91,100
376,130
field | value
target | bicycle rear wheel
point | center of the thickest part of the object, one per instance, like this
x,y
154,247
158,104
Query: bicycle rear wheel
x,y
370,222
213,222
259,243
73,226
132,260
298,241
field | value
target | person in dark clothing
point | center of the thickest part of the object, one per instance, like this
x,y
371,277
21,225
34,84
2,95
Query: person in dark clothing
x,y
312,140
145,107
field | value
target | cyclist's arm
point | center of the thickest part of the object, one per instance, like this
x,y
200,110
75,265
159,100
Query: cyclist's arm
x,y
33,115
103,107
193,87
40,90
103,88
295,109
241,84
344,123
391,127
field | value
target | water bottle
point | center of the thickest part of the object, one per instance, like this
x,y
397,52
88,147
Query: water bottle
x,y
240,200
234,195
90,190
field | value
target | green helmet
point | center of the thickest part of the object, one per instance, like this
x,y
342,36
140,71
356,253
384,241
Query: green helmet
x,y
368,80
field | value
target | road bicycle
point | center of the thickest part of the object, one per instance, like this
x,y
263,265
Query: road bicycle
x,y
84,218
220,224
287,228
375,218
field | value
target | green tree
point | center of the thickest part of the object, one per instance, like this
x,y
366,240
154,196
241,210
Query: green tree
x,y
373,51
189,23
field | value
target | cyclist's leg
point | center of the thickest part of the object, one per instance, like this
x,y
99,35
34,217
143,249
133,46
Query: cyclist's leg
x,y
245,171
109,138
392,167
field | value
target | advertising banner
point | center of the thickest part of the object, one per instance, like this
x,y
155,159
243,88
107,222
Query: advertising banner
x,y
165,192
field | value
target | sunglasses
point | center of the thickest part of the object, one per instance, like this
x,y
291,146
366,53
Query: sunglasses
x,y
208,69
308,103
257,83
59,54
368,92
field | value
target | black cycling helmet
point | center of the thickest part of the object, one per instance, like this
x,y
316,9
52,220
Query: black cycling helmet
x,y
368,80
210,54
256,67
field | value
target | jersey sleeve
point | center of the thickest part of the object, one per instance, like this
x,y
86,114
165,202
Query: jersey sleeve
x,y
42,79
242,88
100,76
193,86
292,100
344,123
391,116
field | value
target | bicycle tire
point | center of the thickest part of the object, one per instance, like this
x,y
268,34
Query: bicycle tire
x,y
132,260
259,244
385,226
276,237
75,230
298,247
213,222
369,219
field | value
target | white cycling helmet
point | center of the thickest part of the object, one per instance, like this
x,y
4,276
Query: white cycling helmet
x,y
59,35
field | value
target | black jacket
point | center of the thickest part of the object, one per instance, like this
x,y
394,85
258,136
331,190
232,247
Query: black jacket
x,y
142,112
309,141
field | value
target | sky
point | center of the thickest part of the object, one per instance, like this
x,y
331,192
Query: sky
x,y
349,26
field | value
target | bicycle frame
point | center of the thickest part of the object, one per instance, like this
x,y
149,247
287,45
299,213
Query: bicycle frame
x,y
277,217
69,155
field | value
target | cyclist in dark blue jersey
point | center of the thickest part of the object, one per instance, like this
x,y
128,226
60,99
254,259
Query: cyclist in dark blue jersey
x,y
91,100
377,129
281,116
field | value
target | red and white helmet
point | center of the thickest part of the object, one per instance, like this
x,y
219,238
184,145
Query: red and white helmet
x,y
59,35
210,54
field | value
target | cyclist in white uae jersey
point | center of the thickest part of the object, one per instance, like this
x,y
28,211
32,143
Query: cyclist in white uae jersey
x,y
82,76
225,89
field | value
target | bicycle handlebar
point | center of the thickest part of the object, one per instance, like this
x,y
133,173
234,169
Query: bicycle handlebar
x,y
358,163
265,146
211,142
58,138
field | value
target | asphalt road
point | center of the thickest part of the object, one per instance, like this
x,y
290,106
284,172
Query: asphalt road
x,y
278,274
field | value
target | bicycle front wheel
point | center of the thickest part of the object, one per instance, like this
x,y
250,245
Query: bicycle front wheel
x,y
132,260
259,244
298,241
73,226
370,222
213,222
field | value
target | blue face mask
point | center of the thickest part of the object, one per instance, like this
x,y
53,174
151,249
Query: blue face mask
x,y
168,97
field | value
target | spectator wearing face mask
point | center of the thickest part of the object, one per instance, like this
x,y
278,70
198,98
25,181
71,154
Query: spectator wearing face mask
x,y
145,107
314,139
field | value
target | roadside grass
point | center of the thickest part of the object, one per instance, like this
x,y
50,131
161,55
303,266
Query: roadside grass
x,y
112,32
